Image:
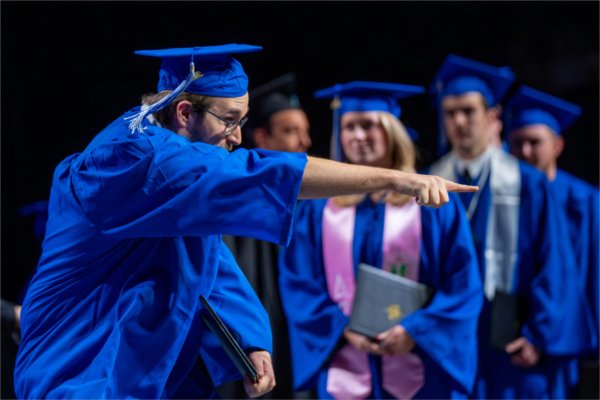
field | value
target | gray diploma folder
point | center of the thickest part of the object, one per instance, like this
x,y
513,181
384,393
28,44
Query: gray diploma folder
x,y
383,299
228,342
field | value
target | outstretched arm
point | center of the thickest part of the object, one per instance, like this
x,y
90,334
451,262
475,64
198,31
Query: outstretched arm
x,y
326,178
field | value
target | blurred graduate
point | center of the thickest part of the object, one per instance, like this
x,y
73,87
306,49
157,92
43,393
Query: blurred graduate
x,y
515,223
536,123
431,353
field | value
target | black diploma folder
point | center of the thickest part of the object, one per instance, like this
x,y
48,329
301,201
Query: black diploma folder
x,y
383,299
506,319
228,342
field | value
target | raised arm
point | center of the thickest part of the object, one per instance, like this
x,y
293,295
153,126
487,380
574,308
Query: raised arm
x,y
326,178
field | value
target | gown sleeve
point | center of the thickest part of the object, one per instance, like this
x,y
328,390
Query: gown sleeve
x,y
160,184
315,322
446,329
579,334
545,258
236,303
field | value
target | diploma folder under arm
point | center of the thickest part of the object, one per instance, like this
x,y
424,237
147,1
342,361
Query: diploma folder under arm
x,y
383,299
228,342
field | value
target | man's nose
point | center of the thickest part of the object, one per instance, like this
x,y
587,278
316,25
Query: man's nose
x,y
235,138
526,149
460,119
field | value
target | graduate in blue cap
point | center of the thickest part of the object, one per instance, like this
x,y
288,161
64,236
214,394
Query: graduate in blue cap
x,y
432,352
133,240
516,231
535,125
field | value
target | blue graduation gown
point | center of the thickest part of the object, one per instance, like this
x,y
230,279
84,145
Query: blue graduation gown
x,y
444,331
542,278
132,241
579,201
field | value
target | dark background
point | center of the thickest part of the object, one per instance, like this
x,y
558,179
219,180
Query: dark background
x,y
68,69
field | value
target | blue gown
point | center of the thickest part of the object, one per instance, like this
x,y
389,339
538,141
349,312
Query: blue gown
x,y
579,200
542,277
444,331
132,241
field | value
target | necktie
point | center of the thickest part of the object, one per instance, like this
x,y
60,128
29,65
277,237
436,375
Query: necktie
x,y
467,177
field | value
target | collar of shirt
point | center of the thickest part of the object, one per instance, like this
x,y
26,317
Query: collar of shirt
x,y
475,165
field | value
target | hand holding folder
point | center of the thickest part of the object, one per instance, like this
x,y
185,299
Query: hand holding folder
x,y
383,299
228,342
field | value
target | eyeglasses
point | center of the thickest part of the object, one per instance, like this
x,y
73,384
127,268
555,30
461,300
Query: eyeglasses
x,y
230,126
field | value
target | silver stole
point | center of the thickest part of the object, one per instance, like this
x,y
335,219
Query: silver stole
x,y
502,232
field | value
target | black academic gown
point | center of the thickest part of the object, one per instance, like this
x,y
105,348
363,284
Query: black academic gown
x,y
258,260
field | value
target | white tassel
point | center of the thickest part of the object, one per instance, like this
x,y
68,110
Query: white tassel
x,y
136,119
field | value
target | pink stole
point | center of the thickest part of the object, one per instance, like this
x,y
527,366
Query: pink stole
x,y
349,374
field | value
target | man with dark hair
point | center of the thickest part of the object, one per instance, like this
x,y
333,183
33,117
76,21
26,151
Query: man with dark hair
x,y
278,121
536,123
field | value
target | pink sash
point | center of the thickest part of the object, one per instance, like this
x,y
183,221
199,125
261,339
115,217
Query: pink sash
x,y
349,374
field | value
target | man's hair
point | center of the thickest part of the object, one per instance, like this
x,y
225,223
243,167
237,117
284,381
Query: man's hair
x,y
165,115
264,123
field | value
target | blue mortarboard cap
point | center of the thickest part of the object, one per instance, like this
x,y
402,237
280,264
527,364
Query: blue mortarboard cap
x,y
369,96
365,96
459,75
529,107
208,71
221,74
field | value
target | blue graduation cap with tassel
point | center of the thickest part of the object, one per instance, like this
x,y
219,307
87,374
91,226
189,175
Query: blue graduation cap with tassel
x,y
208,71
459,75
529,106
364,96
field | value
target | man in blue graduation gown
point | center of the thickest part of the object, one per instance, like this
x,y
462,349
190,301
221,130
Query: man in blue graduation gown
x,y
535,124
515,227
133,239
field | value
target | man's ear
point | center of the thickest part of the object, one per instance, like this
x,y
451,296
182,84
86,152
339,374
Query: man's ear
x,y
495,112
259,136
183,111
559,146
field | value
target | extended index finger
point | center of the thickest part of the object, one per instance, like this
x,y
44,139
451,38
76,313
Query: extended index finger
x,y
459,187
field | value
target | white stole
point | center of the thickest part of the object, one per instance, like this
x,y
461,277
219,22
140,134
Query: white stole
x,y
502,233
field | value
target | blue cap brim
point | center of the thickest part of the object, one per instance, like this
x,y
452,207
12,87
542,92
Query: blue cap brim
x,y
225,49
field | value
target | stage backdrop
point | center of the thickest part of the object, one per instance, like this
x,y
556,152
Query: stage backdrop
x,y
68,69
